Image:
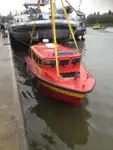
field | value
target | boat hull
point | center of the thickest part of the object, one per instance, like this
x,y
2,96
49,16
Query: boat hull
x,y
40,34
43,30
80,32
61,94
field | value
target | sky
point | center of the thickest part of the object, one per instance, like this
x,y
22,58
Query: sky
x,y
87,6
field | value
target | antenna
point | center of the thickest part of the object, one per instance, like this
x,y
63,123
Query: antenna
x,y
80,2
55,6
71,6
78,12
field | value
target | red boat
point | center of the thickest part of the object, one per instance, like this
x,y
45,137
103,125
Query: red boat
x,y
73,81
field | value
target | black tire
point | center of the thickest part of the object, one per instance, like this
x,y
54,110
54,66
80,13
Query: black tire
x,y
82,39
77,37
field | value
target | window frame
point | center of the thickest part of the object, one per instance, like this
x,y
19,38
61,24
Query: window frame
x,y
33,54
75,58
50,60
64,59
38,61
37,57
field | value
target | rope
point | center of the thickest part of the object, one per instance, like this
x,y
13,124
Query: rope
x,y
20,40
54,35
72,33
19,58
54,31
69,25
33,29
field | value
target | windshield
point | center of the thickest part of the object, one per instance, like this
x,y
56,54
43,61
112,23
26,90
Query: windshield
x,y
49,62
75,61
64,62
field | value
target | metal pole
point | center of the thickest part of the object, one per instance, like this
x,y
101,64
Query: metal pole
x,y
54,35
80,2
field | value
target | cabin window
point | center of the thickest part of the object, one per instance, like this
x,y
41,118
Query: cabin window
x,y
38,61
50,62
75,61
68,74
64,62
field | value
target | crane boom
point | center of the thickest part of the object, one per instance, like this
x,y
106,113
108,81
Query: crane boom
x,y
78,12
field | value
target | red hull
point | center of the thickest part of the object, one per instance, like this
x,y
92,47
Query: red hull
x,y
61,97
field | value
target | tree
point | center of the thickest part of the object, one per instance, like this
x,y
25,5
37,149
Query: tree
x,y
94,14
10,16
98,13
110,12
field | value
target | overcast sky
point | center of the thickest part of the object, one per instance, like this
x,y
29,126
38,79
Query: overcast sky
x,y
88,6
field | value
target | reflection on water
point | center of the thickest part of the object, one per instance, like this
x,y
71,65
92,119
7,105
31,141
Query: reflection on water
x,y
69,123
63,123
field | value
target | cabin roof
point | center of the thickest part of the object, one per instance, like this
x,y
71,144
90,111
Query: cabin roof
x,y
47,52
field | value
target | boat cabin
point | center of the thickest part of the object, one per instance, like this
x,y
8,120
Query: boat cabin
x,y
44,56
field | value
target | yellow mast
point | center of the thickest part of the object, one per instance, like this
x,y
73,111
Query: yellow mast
x,y
54,35
33,29
71,30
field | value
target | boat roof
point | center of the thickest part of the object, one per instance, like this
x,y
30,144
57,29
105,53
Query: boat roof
x,y
46,51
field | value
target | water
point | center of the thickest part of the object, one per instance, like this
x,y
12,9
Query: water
x,y
53,125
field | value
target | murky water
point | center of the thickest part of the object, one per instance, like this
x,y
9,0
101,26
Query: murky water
x,y
53,125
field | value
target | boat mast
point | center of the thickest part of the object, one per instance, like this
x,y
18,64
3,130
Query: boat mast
x,y
54,34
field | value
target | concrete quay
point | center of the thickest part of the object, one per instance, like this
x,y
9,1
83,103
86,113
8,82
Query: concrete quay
x,y
12,129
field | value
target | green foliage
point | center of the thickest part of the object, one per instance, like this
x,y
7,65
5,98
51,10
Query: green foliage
x,y
6,18
106,18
